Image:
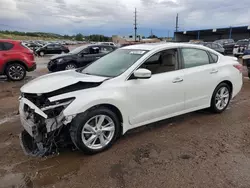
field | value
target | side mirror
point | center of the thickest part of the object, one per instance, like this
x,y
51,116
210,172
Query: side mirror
x,y
142,74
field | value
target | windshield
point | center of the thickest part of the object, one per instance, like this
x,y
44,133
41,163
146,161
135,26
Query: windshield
x,y
78,50
115,63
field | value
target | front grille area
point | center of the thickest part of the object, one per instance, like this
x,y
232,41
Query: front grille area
x,y
39,101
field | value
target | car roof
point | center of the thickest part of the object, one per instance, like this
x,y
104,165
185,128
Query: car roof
x,y
156,46
9,40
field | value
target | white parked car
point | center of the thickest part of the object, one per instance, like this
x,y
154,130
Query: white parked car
x,y
128,88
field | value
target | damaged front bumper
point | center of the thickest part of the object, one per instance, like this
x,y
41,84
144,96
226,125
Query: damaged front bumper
x,y
41,129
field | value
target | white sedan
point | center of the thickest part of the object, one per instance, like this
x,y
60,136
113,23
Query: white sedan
x,y
128,88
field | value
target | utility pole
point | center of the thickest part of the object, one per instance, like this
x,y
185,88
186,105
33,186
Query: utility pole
x,y
135,25
176,23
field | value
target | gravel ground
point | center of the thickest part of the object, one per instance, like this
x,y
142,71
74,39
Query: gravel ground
x,y
198,149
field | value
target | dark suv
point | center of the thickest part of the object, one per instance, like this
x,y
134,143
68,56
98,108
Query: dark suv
x,y
52,49
78,57
15,59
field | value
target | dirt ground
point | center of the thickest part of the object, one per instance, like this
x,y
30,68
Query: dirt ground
x,y
199,149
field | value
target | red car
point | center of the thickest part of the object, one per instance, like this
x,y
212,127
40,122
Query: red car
x,y
15,59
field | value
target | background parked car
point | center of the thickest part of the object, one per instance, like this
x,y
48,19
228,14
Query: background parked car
x,y
215,46
246,59
228,45
15,59
240,47
52,49
79,57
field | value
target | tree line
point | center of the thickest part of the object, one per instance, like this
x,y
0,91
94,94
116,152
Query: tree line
x,y
77,37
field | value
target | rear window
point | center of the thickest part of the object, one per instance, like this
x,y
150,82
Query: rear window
x,y
245,43
25,46
7,45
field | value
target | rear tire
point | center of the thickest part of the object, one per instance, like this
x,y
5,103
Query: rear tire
x,y
15,72
88,137
41,53
221,98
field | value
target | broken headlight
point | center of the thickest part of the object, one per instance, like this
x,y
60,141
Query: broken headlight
x,y
54,109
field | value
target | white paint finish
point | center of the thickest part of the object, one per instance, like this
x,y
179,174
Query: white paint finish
x,y
199,84
144,101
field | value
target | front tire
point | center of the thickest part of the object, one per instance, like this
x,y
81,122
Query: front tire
x,y
70,66
15,72
95,130
221,98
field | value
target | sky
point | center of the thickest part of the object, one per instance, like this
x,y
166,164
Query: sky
x,y
116,17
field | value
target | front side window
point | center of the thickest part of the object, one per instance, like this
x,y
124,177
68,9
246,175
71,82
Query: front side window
x,y
50,46
114,63
106,49
164,61
194,57
94,50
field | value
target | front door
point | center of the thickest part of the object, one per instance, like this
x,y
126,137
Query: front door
x,y
160,96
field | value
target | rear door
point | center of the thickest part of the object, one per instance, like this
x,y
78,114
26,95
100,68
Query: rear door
x,y
201,76
50,49
2,57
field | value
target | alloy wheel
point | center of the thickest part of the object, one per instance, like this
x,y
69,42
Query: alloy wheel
x,y
98,132
16,72
222,98
70,66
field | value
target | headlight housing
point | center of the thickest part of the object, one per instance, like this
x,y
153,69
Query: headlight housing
x,y
54,109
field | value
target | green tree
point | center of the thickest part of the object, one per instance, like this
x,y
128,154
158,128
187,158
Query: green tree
x,y
79,37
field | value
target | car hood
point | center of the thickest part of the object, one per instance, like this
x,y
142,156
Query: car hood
x,y
60,56
55,81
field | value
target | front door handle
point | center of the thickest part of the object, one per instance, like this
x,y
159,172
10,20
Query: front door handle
x,y
214,71
177,80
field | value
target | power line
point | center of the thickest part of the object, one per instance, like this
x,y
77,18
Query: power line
x,y
176,22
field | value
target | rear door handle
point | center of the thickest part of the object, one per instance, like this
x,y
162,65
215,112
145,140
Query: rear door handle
x,y
177,80
213,71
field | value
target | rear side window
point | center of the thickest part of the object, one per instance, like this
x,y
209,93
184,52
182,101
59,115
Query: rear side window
x,y
1,46
194,57
214,58
7,46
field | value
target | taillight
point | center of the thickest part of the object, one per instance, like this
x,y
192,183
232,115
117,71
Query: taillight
x,y
239,67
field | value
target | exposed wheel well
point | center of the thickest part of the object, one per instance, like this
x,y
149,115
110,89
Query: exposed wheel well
x,y
229,84
12,62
